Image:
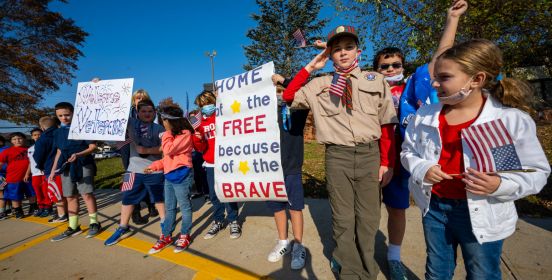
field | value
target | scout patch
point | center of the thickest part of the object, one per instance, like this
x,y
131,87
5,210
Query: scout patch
x,y
370,76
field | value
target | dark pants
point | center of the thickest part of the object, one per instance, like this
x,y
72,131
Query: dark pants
x,y
354,193
219,207
200,176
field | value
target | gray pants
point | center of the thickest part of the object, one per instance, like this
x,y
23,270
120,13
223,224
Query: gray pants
x,y
354,192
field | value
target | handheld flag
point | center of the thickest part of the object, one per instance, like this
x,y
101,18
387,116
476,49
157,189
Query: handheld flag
x,y
54,191
196,120
492,147
128,181
3,182
300,40
119,145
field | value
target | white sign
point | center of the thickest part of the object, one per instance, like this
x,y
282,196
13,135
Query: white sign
x,y
102,110
247,152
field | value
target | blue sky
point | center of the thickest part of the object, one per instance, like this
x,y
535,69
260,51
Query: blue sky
x,y
162,45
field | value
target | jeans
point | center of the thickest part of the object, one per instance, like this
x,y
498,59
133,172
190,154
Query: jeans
x,y
218,207
178,193
447,225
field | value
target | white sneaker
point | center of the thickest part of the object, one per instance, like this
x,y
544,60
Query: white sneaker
x,y
298,256
279,250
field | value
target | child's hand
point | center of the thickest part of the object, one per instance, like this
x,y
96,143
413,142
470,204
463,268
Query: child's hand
x,y
26,178
481,183
320,45
51,177
197,134
457,9
148,171
435,175
141,149
319,61
72,158
385,175
277,79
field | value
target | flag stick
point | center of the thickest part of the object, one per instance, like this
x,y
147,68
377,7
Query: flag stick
x,y
504,171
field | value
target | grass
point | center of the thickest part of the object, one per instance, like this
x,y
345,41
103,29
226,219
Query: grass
x,y
110,173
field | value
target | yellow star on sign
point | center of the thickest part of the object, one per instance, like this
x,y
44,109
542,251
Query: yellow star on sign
x,y
244,167
235,107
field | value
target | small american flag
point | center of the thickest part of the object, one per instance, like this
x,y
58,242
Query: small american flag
x,y
492,147
54,191
128,181
196,120
3,182
299,39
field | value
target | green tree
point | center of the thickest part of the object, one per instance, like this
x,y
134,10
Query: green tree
x,y
272,39
38,53
520,28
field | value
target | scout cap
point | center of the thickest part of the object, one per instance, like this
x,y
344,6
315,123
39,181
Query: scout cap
x,y
340,31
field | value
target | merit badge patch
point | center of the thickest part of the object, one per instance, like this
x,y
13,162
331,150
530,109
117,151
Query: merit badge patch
x,y
370,76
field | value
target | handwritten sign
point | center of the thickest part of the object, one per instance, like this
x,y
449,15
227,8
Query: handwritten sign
x,y
101,110
247,150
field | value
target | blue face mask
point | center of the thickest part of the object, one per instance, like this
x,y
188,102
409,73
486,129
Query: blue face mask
x,y
65,124
207,110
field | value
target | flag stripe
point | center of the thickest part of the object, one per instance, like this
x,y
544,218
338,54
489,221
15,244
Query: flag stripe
x,y
480,148
475,149
486,147
505,132
491,134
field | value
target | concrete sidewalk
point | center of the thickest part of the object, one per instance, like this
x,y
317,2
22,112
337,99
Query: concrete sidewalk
x,y
25,249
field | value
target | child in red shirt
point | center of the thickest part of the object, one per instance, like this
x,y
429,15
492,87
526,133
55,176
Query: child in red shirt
x,y
17,163
204,142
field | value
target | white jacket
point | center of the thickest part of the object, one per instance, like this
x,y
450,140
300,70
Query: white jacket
x,y
492,217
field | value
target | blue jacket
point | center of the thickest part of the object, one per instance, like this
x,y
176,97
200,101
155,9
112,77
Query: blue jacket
x,y
69,147
45,153
417,92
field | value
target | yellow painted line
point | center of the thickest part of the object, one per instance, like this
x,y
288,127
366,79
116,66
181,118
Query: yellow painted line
x,y
30,244
206,269
203,276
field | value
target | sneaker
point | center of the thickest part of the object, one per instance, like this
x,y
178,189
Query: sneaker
x,y
66,234
279,251
45,213
119,234
207,199
182,243
93,230
235,230
215,228
9,211
335,266
58,219
153,211
163,242
298,256
396,270
33,209
3,216
19,213
38,212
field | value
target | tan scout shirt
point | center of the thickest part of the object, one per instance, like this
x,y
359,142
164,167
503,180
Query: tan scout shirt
x,y
372,107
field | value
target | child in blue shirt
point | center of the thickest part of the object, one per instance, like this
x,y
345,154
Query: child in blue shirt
x,y
77,167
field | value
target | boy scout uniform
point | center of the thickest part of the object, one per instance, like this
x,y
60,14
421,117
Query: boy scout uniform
x,y
352,163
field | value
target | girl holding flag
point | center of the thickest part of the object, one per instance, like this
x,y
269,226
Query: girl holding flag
x,y
455,151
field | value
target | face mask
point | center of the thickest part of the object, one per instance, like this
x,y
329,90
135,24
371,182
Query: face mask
x,y
457,97
396,78
207,110
64,125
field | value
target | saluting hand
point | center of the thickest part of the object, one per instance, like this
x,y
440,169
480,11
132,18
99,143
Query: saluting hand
x,y
481,183
320,44
319,61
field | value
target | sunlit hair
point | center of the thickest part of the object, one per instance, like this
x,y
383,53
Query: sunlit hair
x,y
64,105
387,53
480,55
47,121
140,92
206,97
169,107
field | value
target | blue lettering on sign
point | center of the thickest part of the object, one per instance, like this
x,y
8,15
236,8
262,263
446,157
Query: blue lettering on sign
x,y
243,80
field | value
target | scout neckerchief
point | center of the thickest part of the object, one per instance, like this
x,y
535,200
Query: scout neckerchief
x,y
341,84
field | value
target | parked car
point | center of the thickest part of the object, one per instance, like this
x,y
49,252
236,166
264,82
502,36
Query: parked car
x,y
106,155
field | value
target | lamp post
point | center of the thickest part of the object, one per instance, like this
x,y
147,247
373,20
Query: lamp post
x,y
212,56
